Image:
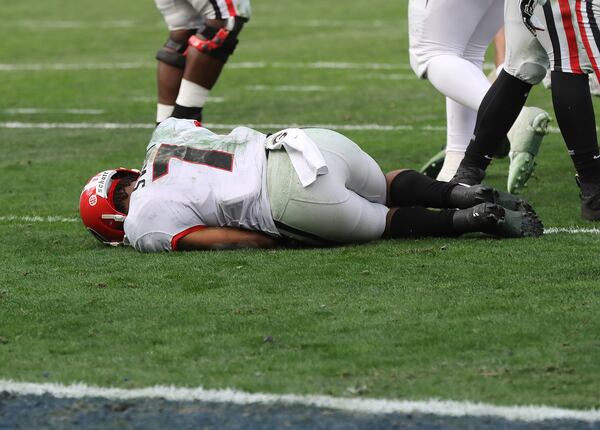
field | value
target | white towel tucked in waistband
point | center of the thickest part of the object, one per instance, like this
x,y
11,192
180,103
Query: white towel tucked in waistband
x,y
304,154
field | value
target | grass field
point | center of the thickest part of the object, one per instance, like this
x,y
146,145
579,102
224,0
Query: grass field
x,y
501,321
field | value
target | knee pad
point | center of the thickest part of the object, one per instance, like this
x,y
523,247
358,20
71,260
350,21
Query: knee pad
x,y
216,42
531,73
172,53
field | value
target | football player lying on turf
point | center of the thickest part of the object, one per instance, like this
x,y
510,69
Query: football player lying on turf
x,y
200,190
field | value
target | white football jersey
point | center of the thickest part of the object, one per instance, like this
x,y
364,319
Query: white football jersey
x,y
193,179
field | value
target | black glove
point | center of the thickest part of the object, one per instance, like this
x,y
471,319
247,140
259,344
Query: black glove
x,y
531,22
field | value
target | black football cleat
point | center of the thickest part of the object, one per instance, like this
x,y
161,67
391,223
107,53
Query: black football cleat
x,y
495,220
590,200
518,224
463,196
467,175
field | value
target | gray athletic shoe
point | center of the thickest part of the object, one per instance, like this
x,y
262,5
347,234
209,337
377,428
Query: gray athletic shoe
x,y
525,138
434,165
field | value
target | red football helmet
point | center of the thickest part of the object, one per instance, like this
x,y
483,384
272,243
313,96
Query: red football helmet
x,y
97,209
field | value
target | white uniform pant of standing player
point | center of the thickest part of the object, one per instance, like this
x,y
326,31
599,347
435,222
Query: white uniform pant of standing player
x,y
567,45
345,205
448,40
190,14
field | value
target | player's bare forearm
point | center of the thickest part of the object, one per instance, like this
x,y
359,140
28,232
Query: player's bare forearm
x,y
226,238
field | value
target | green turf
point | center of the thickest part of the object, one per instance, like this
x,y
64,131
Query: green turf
x,y
509,322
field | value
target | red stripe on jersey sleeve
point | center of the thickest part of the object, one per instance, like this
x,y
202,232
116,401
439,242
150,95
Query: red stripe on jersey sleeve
x,y
175,240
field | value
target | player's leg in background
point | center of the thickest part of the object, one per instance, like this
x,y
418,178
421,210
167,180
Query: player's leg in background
x,y
188,71
444,164
208,51
499,54
460,122
171,63
438,47
454,53
461,115
525,65
525,136
200,75
571,94
182,21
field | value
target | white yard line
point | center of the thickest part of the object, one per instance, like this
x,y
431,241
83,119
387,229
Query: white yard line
x,y
64,24
38,24
571,230
152,99
293,88
386,77
71,125
275,126
311,23
320,65
32,219
363,405
36,111
117,125
72,66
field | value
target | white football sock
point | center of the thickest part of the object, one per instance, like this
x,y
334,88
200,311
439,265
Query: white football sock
x,y
460,124
459,79
163,112
191,94
451,163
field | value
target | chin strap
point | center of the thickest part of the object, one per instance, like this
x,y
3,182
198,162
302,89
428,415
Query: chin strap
x,y
117,218
115,244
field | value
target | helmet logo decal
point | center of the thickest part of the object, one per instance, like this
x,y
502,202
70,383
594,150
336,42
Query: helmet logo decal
x,y
93,200
102,187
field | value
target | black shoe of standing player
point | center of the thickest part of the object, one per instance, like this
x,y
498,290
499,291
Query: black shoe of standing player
x,y
590,200
468,175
